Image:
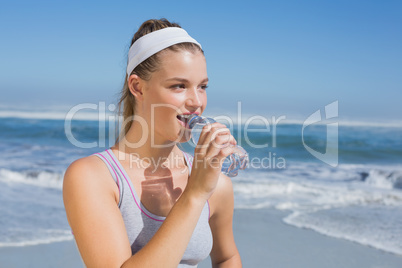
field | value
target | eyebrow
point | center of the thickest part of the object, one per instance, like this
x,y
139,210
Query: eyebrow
x,y
185,80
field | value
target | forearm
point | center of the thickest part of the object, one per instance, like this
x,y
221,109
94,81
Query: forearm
x,y
233,262
169,243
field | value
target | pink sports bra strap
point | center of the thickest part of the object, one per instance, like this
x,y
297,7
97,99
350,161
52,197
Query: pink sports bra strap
x,y
189,159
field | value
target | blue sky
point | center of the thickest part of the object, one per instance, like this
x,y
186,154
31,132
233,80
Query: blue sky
x,y
276,57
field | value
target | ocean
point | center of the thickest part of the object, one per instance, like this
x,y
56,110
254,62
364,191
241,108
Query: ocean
x,y
358,197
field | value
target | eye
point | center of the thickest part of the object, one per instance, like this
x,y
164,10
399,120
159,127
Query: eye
x,y
204,87
178,86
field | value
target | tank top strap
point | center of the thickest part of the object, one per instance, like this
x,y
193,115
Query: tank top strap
x,y
141,224
189,160
114,171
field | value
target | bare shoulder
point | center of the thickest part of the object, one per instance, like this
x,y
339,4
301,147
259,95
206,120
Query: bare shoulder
x,y
225,186
224,251
222,198
90,200
87,165
88,173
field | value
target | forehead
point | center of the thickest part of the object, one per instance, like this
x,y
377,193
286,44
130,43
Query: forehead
x,y
181,63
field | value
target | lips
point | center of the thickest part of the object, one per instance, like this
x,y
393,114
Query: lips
x,y
185,117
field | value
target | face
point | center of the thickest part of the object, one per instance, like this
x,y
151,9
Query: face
x,y
177,88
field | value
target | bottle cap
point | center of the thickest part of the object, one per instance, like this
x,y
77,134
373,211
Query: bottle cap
x,y
190,120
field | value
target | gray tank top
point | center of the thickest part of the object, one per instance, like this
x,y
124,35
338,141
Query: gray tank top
x,y
141,225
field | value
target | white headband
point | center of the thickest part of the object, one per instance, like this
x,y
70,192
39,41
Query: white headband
x,y
151,43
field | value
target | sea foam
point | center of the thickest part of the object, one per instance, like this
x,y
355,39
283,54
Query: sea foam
x,y
36,178
360,203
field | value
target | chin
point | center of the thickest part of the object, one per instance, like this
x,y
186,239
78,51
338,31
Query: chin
x,y
183,136
184,139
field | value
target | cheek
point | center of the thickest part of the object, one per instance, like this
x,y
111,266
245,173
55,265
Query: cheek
x,y
164,114
204,101
169,98
167,107
163,104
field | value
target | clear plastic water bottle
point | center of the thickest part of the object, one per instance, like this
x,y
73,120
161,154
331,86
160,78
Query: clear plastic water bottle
x,y
232,163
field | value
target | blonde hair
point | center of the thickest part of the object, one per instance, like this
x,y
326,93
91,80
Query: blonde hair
x,y
145,69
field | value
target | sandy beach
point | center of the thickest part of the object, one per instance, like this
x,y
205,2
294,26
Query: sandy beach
x,y
261,236
265,241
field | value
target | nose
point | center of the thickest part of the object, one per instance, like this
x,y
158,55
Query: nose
x,y
194,98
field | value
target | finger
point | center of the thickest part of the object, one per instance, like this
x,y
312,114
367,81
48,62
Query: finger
x,y
215,139
225,149
208,131
224,153
222,143
199,147
206,136
221,138
233,140
215,158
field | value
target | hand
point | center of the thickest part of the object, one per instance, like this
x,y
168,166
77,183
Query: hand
x,y
214,145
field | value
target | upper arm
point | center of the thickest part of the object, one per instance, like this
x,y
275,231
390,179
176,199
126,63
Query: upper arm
x,y
93,214
224,248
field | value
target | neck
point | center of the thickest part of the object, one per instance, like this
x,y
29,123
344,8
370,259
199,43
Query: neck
x,y
141,149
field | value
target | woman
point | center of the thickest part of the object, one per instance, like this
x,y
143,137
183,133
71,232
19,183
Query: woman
x,y
142,203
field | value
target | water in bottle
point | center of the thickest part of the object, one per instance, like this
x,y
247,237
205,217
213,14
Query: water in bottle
x,y
232,163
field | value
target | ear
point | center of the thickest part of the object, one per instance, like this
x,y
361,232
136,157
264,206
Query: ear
x,y
136,85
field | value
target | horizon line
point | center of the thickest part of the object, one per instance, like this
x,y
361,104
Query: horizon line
x,y
94,116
